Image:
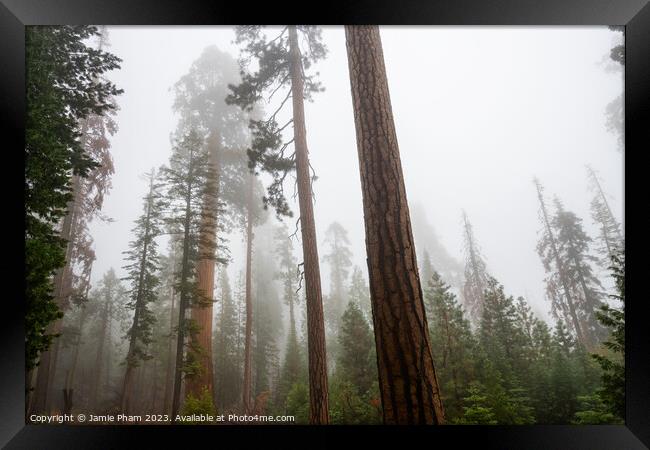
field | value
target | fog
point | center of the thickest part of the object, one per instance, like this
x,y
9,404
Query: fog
x,y
479,111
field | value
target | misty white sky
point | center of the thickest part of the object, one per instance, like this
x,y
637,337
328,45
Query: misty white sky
x,y
479,111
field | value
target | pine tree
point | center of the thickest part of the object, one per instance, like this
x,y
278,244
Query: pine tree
x,y
292,365
559,290
340,260
227,361
612,393
360,293
143,277
476,276
573,245
610,236
186,179
451,342
110,295
282,64
407,377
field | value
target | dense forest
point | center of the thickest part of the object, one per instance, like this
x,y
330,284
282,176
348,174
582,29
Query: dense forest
x,y
299,328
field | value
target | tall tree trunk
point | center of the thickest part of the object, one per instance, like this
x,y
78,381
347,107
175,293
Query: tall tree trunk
x,y
47,360
183,304
202,312
407,377
130,357
170,350
246,386
99,356
560,268
318,389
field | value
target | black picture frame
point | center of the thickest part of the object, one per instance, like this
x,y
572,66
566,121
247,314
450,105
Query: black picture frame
x,y
633,14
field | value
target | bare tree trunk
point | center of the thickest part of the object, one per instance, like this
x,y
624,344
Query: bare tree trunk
x,y
318,389
246,386
407,377
202,312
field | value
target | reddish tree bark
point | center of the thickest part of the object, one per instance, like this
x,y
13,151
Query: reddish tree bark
x,y
318,389
407,377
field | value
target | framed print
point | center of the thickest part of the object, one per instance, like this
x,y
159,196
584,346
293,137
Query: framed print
x,y
398,221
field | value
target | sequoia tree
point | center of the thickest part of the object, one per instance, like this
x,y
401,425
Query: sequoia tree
x,y
407,377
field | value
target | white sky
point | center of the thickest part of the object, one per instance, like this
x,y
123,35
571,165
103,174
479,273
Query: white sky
x,y
479,111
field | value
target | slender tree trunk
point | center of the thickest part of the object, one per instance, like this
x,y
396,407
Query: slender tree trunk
x,y
170,349
560,268
318,389
407,377
202,312
68,390
99,356
184,300
246,386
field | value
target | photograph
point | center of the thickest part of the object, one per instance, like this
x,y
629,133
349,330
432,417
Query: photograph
x,y
324,225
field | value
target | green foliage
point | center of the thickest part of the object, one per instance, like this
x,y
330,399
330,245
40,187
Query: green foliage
x,y
452,343
592,411
350,407
612,363
267,150
298,403
201,405
477,411
63,87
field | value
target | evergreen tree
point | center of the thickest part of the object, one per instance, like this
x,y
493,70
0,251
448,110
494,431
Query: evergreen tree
x,y
283,65
476,276
612,363
292,365
477,410
227,361
186,179
573,245
360,293
451,343
340,260
143,277
610,237
63,88
200,101
407,376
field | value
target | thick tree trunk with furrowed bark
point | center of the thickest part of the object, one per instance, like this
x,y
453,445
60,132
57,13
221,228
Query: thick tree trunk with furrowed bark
x,y
318,390
407,377
202,313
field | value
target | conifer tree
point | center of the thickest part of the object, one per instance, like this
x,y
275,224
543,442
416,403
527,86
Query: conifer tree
x,y
451,343
609,231
58,101
407,377
283,65
476,277
340,260
574,249
186,179
612,393
564,304
227,361
360,293
200,100
142,269
291,367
